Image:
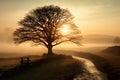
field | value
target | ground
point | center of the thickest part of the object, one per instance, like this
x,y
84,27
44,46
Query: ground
x,y
55,67
105,62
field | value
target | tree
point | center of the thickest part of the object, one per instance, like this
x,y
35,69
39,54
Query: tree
x,y
117,41
42,26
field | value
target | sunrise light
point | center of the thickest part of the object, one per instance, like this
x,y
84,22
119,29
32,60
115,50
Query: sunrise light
x,y
65,30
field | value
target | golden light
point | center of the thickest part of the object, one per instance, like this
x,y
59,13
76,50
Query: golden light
x,y
65,30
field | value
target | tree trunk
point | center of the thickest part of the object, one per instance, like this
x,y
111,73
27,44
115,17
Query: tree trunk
x,y
50,50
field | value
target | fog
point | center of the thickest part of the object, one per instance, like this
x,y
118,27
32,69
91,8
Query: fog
x,y
92,18
96,43
91,42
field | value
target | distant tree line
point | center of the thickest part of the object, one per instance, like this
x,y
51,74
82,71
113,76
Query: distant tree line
x,y
116,41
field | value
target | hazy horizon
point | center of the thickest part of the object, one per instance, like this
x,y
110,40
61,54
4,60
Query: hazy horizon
x,y
91,16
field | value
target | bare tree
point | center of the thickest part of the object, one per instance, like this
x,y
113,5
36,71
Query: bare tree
x,y
117,41
42,26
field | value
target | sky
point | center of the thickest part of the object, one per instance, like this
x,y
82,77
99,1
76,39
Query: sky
x,y
91,16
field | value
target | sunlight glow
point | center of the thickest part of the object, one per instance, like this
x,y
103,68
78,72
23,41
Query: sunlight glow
x,y
65,30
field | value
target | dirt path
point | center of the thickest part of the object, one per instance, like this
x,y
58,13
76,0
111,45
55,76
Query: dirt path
x,y
95,73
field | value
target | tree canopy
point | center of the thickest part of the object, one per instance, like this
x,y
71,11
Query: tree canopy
x,y
43,24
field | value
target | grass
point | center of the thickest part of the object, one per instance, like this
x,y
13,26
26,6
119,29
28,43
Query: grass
x,y
113,67
115,50
106,63
54,67
11,62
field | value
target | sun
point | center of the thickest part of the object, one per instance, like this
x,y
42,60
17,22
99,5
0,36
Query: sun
x,y
65,30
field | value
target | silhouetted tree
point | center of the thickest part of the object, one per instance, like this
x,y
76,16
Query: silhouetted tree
x,y
117,41
42,26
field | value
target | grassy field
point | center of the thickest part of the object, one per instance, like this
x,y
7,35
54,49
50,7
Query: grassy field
x,y
105,62
57,67
114,65
7,63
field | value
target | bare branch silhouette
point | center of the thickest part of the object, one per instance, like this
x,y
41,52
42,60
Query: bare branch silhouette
x,y
42,26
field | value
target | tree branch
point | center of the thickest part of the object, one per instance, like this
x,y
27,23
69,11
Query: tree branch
x,y
60,42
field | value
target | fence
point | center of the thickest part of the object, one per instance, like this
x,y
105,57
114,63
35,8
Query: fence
x,y
25,61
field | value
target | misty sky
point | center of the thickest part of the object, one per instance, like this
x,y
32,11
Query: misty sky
x,y
92,16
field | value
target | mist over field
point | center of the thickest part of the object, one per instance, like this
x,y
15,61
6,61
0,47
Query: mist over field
x,y
99,17
91,42
59,39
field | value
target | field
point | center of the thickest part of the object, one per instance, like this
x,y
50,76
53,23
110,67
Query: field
x,y
54,67
105,62
7,63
